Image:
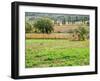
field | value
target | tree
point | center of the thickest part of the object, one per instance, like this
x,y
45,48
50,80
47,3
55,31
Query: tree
x,y
28,27
63,21
44,25
69,19
76,19
73,20
82,33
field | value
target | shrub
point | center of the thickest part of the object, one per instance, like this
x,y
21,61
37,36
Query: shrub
x,y
28,27
81,32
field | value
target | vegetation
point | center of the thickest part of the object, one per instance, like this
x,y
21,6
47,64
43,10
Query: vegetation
x,y
55,53
82,32
28,27
47,40
44,25
70,18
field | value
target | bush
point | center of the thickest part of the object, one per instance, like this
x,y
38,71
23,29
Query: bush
x,y
44,25
81,32
28,27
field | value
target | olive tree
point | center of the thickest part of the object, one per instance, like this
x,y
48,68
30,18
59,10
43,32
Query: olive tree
x,y
44,25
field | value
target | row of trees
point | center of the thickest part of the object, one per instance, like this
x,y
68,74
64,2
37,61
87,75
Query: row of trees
x,y
62,18
72,20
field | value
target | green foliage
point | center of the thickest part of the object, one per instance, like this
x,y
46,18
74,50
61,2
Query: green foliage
x,y
44,25
28,27
63,21
55,53
81,32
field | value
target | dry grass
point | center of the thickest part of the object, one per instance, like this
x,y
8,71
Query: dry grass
x,y
65,28
53,35
60,32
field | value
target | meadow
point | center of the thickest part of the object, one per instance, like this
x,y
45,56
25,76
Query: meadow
x,y
56,53
56,40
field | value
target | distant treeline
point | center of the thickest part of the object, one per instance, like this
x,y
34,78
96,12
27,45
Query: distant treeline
x,y
58,18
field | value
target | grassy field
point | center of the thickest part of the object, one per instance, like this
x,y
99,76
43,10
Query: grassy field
x,y
56,52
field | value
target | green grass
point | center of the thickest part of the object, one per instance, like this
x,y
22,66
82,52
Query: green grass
x,y
56,52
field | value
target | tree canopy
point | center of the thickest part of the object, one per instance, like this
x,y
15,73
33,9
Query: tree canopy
x,y
44,25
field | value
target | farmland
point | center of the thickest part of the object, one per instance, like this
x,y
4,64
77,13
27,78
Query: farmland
x,y
56,40
60,32
55,53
